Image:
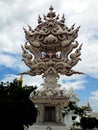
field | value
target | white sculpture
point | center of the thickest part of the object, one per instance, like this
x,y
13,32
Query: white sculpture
x,y
51,50
40,52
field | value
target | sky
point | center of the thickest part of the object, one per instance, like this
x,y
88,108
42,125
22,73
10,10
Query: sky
x,y
16,14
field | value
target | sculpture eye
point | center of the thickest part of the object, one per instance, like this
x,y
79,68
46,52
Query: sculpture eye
x,y
40,37
62,36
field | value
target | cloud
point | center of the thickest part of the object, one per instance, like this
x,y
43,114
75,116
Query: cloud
x,y
29,80
7,60
75,82
9,78
89,63
94,100
12,62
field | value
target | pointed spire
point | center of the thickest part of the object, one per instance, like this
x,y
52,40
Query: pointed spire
x,y
44,17
89,106
51,14
24,30
39,19
63,18
72,27
20,81
77,29
57,17
30,28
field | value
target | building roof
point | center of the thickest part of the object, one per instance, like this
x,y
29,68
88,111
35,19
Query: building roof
x,y
73,96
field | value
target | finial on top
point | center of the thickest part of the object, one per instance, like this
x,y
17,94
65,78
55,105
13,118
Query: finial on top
x,y
51,14
20,80
51,8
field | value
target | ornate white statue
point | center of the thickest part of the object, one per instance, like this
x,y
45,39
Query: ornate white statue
x,y
49,49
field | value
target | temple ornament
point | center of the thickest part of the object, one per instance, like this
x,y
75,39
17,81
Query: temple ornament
x,y
51,50
49,47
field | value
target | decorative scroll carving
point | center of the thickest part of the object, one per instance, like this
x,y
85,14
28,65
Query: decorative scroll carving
x,y
51,49
45,41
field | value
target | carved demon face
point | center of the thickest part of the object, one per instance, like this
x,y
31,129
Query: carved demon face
x,y
50,37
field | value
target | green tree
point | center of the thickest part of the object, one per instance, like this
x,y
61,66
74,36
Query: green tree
x,y
89,123
80,110
16,109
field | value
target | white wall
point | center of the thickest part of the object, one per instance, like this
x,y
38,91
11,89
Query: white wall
x,y
68,118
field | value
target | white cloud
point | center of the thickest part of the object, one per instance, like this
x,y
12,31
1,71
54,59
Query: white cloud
x,y
7,60
76,8
89,63
29,80
12,61
75,82
94,100
9,78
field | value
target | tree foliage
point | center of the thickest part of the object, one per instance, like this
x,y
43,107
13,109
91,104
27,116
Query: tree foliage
x,y
89,123
86,122
16,109
80,110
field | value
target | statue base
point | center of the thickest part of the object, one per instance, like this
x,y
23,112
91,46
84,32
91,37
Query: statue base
x,y
49,126
50,108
